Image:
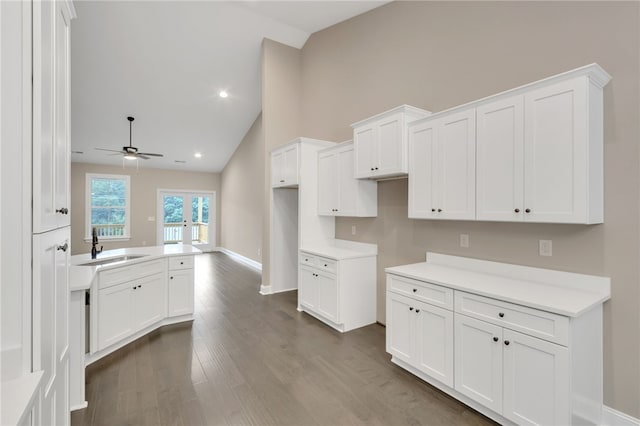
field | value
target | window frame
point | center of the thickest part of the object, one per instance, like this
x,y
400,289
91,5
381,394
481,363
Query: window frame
x,y
127,209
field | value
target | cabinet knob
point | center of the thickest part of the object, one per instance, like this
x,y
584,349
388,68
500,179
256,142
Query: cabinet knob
x,y
410,308
63,247
325,265
501,314
433,210
281,180
376,168
506,342
63,210
182,263
415,289
372,168
140,286
527,210
495,339
134,287
517,210
170,278
417,311
439,210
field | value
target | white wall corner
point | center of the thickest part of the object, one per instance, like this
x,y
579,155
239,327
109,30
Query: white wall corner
x,y
240,258
611,417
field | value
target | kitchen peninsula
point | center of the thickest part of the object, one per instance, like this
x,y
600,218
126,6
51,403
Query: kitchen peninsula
x,y
132,291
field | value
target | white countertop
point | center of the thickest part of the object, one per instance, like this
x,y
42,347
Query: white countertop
x,y
567,300
17,396
81,276
340,249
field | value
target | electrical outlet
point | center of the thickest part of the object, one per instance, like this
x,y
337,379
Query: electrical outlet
x,y
151,218
144,243
259,252
464,240
545,247
353,230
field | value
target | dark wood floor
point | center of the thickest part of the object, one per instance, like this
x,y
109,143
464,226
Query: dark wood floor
x,y
252,359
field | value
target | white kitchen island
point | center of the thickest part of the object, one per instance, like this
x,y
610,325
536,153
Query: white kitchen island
x,y
133,291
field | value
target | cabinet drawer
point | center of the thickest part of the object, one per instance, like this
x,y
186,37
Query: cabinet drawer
x,y
545,325
326,264
181,262
307,259
420,290
126,273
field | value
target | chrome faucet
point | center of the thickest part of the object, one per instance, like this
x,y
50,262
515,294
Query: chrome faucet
x,y
94,250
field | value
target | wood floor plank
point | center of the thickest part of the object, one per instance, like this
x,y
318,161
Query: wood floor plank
x,y
249,359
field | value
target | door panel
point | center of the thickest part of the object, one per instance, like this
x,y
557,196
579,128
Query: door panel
x,y
400,327
186,217
348,186
181,292
327,184
308,289
115,310
434,332
390,153
422,163
149,300
364,140
327,296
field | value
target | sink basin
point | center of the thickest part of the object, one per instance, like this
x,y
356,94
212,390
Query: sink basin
x,y
111,260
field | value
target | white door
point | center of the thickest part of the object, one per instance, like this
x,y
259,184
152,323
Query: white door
x,y
500,160
456,166
187,217
536,381
327,285
149,300
277,164
364,142
347,185
308,295
390,148
401,322
180,292
115,314
555,152
478,361
327,184
434,342
422,164
51,323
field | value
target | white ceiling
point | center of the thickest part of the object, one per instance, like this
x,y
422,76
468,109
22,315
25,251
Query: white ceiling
x,y
164,62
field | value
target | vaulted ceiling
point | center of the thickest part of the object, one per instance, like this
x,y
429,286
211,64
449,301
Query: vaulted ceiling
x,y
165,62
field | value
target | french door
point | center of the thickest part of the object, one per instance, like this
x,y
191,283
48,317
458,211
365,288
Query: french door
x,y
187,217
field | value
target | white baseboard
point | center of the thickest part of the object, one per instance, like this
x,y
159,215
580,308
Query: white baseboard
x,y
240,258
611,417
265,289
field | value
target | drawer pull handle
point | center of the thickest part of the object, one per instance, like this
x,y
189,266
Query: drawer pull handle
x,y
415,290
495,339
410,308
506,342
501,314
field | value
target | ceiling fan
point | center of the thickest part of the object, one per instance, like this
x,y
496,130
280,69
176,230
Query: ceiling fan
x,y
131,152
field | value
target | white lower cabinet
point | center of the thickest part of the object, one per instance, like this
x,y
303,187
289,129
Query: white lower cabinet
x,y
181,291
339,292
511,362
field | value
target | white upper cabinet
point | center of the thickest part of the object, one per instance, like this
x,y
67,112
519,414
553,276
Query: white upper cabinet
x,y
339,193
442,167
51,129
284,166
380,143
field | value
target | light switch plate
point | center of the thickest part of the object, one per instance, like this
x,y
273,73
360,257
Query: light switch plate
x,y
353,230
151,218
464,240
545,247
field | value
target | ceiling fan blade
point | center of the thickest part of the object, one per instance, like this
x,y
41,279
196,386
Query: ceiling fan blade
x,y
150,154
110,150
144,157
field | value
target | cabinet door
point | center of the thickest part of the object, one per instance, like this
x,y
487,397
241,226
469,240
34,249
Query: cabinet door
x,y
422,164
391,146
434,341
115,314
308,289
347,185
365,148
51,322
536,381
327,184
180,292
500,160
555,146
290,165
401,322
277,166
149,300
456,166
327,306
478,361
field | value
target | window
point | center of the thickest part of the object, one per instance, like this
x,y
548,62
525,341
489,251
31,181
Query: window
x,y
107,210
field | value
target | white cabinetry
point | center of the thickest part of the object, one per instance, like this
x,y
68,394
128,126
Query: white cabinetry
x,y
129,300
442,167
180,285
339,290
339,193
284,167
531,353
380,143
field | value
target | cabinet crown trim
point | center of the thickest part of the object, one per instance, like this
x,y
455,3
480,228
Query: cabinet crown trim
x,y
299,140
402,108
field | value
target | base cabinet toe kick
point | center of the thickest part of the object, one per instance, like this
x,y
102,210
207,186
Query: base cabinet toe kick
x,y
514,362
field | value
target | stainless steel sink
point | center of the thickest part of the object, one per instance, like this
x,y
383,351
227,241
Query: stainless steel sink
x,y
111,260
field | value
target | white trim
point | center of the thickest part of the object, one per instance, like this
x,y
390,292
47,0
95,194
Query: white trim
x,y
85,404
240,258
611,417
265,289
87,205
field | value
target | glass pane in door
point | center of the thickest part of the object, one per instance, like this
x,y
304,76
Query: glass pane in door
x,y
200,219
173,219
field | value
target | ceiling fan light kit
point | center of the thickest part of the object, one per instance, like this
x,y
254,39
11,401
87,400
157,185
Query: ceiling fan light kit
x,y
131,152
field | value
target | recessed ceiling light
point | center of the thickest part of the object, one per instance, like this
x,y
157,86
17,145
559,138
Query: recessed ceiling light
x,y
223,94
197,155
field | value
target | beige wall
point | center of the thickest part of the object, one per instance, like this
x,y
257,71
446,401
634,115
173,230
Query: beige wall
x,y
144,185
436,55
242,196
281,97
